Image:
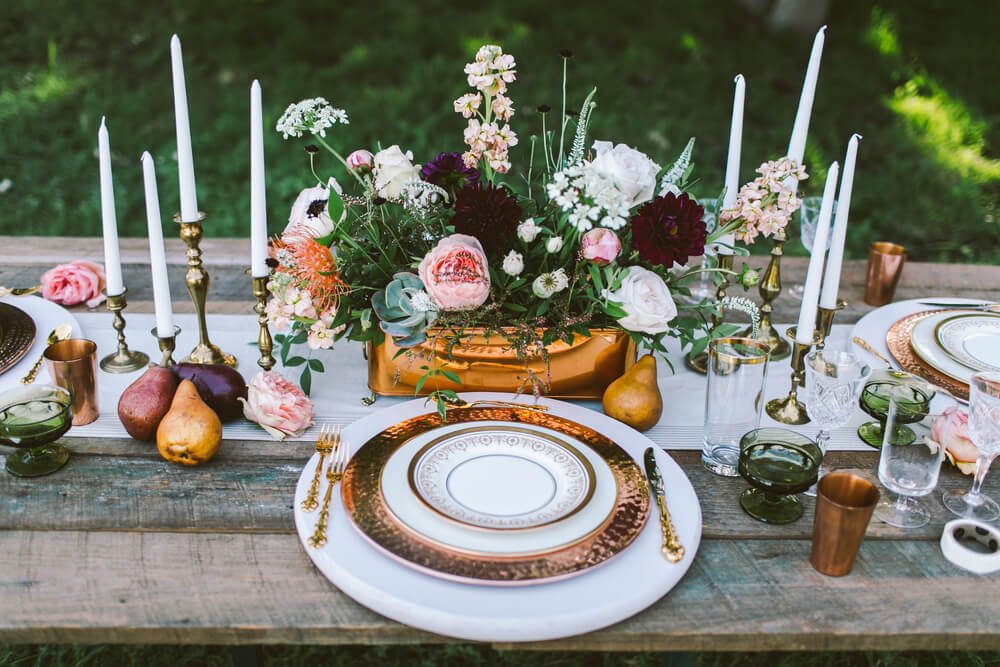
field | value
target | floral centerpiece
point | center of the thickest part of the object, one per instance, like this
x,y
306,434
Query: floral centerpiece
x,y
589,235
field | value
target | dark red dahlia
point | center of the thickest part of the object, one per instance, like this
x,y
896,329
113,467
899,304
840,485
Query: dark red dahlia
x,y
669,229
448,171
487,212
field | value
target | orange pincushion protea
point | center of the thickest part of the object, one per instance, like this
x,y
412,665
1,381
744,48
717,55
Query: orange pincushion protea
x,y
312,265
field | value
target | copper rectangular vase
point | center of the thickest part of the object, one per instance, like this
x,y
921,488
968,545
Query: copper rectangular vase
x,y
582,370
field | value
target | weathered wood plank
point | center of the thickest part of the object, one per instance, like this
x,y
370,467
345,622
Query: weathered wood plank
x,y
262,589
248,489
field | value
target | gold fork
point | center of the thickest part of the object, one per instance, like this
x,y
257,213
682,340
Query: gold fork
x,y
338,462
323,446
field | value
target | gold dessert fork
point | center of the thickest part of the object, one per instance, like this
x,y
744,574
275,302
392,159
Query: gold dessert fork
x,y
323,446
333,474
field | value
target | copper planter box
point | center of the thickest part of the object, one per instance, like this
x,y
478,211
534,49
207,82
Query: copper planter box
x,y
582,370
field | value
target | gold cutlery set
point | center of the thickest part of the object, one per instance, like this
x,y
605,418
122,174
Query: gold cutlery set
x,y
328,443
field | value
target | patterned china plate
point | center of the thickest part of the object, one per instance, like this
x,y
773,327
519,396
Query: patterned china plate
x,y
972,339
924,343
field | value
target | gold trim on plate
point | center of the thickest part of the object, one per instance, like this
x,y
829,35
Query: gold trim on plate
x,y
897,339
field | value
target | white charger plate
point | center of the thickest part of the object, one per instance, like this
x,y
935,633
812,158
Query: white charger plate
x,y
635,579
972,339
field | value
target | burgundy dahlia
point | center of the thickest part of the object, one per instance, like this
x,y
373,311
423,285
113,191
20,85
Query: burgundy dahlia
x,y
487,212
669,229
448,171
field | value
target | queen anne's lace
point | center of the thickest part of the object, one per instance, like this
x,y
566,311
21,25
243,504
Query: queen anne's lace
x,y
589,197
313,115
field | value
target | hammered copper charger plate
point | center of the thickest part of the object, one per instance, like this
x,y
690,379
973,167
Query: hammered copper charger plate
x,y
898,341
17,333
372,517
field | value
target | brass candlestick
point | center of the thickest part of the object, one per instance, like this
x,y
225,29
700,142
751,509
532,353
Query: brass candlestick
x,y
824,322
769,289
197,281
789,410
167,344
699,362
124,360
264,343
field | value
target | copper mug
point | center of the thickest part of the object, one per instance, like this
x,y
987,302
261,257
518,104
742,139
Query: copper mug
x,y
885,266
844,506
72,365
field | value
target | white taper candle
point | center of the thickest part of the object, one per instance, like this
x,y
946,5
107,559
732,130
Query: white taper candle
x,y
797,143
810,296
733,160
834,262
109,221
258,212
157,253
185,159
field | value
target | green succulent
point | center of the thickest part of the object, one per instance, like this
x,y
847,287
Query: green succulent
x,y
405,310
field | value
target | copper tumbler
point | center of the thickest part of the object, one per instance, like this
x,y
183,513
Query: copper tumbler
x,y
885,266
844,505
72,365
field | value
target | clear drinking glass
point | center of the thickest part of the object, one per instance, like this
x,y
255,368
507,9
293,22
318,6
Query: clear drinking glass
x,y
737,369
704,288
808,218
833,383
984,431
909,470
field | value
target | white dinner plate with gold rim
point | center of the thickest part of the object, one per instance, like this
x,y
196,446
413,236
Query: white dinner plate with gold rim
x,y
972,339
924,343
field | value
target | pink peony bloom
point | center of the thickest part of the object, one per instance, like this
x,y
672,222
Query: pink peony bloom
x,y
360,161
951,429
455,273
73,283
600,246
277,405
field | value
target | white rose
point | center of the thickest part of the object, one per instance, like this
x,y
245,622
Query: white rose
x,y
554,244
632,172
646,300
513,263
392,169
528,230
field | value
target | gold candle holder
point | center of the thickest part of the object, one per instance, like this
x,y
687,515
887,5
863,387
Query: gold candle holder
x,y
699,362
769,289
123,360
264,342
790,410
167,344
824,322
197,281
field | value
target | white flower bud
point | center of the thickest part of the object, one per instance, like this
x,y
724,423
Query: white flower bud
x,y
528,230
513,263
554,244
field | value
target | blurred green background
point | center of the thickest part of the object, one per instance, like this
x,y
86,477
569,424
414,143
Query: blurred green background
x,y
912,76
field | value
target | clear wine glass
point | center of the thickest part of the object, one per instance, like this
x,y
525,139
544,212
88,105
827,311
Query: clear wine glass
x,y
704,287
833,383
908,470
984,431
808,218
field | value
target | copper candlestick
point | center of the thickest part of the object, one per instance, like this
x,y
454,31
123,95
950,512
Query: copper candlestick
x,y
197,281
699,362
264,343
769,289
789,410
824,322
124,360
167,344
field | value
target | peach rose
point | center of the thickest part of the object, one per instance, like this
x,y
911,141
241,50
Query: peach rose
x,y
73,283
455,273
600,246
277,405
951,429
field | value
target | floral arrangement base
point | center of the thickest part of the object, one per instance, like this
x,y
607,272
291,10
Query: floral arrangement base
x,y
581,370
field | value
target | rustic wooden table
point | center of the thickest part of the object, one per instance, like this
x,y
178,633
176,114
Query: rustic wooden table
x,y
122,547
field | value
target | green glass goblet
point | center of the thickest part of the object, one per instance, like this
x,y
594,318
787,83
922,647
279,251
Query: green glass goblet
x,y
912,404
32,419
777,463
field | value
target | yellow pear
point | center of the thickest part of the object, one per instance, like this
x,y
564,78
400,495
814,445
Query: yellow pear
x,y
190,432
634,398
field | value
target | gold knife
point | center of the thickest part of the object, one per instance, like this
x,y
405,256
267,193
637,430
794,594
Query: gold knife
x,y
672,549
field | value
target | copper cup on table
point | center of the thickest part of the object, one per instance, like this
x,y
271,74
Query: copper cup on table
x,y
72,365
844,505
885,266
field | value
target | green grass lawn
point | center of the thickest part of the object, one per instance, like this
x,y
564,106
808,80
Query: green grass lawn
x,y
910,75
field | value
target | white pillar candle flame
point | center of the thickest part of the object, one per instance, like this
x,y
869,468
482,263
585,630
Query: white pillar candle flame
x,y
258,212
831,280
157,252
185,159
733,160
806,327
109,221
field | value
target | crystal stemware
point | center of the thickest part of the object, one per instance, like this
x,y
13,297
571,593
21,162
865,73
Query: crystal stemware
x,y
912,406
808,219
777,463
31,418
984,431
909,470
833,382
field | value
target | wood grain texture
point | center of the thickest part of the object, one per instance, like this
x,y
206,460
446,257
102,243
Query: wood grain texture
x,y
262,589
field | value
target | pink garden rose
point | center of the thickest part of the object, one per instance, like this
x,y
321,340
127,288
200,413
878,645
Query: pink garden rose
x,y
455,273
277,405
951,429
360,161
73,283
600,246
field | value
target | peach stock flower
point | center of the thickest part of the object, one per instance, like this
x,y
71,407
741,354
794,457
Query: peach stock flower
x,y
277,405
73,283
455,273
